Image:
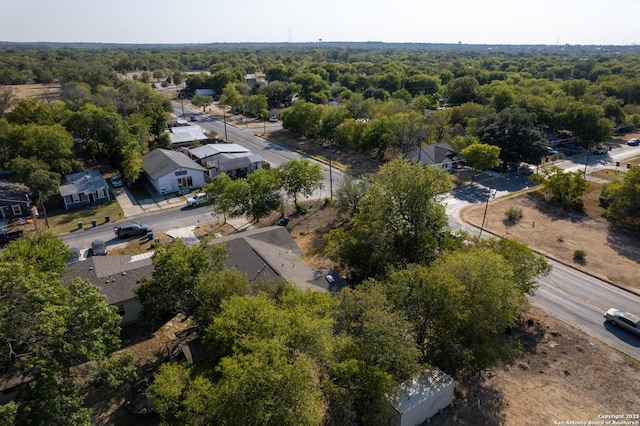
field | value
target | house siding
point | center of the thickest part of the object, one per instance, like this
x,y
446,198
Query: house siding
x,y
171,181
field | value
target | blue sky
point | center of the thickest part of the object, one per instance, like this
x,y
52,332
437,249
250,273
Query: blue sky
x,y
205,21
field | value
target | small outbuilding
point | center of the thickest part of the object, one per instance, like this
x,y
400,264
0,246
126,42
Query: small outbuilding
x,y
422,397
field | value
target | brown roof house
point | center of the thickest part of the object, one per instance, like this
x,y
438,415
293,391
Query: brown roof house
x,y
438,154
83,189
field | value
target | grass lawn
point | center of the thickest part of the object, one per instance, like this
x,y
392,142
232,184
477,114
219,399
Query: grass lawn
x,y
67,220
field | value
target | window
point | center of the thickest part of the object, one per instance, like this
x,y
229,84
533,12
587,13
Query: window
x,y
120,309
185,182
75,198
16,209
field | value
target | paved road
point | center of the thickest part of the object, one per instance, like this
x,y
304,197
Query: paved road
x,y
270,151
570,295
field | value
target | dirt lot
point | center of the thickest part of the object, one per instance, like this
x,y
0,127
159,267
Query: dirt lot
x,y
611,254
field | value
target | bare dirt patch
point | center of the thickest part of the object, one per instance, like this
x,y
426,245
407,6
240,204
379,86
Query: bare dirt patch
x,y
45,92
612,254
563,375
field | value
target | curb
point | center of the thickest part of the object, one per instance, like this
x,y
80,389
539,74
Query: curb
x,y
548,256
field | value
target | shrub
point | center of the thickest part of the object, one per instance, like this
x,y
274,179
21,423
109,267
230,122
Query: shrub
x,y
514,213
579,254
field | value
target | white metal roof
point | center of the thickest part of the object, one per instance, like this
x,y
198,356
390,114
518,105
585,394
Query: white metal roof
x,y
421,388
211,149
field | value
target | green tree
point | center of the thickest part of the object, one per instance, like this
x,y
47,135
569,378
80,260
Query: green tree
x,y
516,133
263,196
201,101
422,84
349,194
7,100
463,89
400,220
623,196
213,288
52,144
481,156
461,307
131,166
560,186
36,175
176,270
37,249
300,177
46,327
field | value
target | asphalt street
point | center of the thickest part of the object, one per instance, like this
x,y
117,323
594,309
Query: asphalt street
x,y
566,293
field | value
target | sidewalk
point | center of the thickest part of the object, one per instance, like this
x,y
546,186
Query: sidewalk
x,y
132,207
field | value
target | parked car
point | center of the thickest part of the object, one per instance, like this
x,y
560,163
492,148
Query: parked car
x,y
601,150
633,142
622,319
98,248
76,256
131,230
193,118
116,182
197,199
273,119
553,151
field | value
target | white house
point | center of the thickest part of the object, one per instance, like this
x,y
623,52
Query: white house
x,y
172,171
230,158
439,154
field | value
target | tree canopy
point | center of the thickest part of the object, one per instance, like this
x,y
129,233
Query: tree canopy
x,y
400,220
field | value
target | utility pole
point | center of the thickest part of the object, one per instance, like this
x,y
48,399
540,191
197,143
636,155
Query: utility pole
x,y
492,193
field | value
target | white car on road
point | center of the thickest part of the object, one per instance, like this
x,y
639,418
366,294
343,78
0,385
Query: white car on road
x,y
197,199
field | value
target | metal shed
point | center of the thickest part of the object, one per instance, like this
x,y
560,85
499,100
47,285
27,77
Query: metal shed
x,y
422,397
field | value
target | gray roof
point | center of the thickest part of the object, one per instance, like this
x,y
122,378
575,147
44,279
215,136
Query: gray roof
x,y
227,162
438,152
161,162
274,249
14,192
87,182
116,276
263,253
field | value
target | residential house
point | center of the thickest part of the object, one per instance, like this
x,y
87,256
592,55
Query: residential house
x,y
439,154
230,158
262,254
117,277
14,201
187,135
83,189
251,80
172,171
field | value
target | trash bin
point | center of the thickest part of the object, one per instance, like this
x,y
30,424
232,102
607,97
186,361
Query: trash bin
x,y
107,218
94,223
150,235
80,225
